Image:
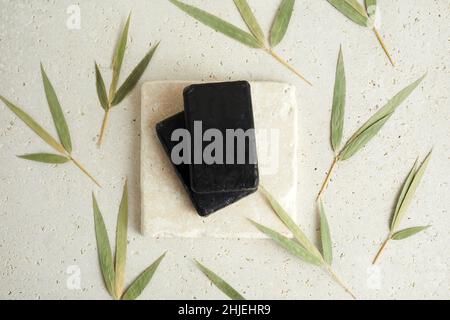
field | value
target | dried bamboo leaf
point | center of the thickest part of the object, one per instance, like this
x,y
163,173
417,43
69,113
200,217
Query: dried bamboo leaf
x,y
402,195
291,225
121,242
118,58
289,245
281,22
221,284
142,281
359,141
250,20
353,10
376,122
134,77
101,89
45,158
338,110
33,125
57,114
325,236
104,249
218,24
410,193
406,233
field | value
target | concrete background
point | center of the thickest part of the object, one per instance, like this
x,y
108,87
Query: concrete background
x,y
46,223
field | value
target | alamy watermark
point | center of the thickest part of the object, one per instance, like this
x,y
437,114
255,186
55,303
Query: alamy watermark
x,y
230,146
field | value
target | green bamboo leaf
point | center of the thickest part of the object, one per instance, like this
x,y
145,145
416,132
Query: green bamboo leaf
x,y
289,245
121,241
33,125
101,89
104,249
353,10
291,225
221,284
218,24
338,110
142,281
134,77
410,193
359,141
57,114
401,198
371,8
406,233
325,235
45,158
376,122
250,19
281,22
118,58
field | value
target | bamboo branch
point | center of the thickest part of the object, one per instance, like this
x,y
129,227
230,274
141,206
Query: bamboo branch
x,y
383,45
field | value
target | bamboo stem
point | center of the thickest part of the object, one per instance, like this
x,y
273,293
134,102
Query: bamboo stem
x,y
286,64
340,282
382,249
383,45
79,165
328,178
103,128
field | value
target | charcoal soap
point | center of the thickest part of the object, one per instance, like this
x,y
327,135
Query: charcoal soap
x,y
205,204
221,106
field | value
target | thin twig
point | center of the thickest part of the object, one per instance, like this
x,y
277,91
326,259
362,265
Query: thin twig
x,y
380,252
103,129
340,282
84,171
286,64
383,45
328,178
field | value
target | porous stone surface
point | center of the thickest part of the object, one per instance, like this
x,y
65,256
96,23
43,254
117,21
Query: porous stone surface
x,y
166,209
47,238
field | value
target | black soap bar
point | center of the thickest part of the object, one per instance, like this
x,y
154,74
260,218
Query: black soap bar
x,y
205,204
228,162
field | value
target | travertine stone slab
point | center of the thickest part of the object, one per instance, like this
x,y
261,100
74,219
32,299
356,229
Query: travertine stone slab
x,y
165,207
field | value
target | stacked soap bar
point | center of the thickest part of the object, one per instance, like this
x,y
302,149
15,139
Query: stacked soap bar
x,y
219,161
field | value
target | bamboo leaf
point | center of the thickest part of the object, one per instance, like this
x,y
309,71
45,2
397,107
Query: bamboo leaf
x,y
118,58
353,10
142,281
406,233
289,245
327,247
338,110
218,24
104,249
281,22
291,225
410,193
376,122
57,114
134,77
121,242
392,104
221,284
359,141
401,198
45,158
33,125
250,19
101,89
371,8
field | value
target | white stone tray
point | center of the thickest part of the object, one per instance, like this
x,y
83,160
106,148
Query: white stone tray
x,y
166,210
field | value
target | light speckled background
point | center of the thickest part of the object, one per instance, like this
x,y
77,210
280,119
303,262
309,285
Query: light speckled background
x,y
45,213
